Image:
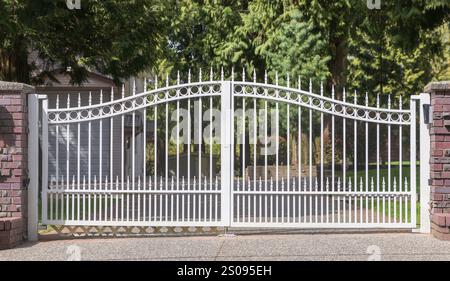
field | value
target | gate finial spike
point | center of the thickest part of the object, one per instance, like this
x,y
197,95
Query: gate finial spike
x,y
355,98
134,86
178,77
68,100
276,78
145,84
389,101
232,73
310,85
332,91
254,75
200,75
101,95
79,99
57,101
189,76
339,183
243,74
221,74
367,99
265,76
400,102
167,79
378,99
344,94
211,74
299,83
112,91
288,82
156,81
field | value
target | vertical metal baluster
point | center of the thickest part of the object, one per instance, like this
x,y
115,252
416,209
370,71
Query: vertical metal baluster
x,y
133,154
277,135
122,151
111,159
128,198
389,162
68,195
155,151
333,189
243,157
166,197
400,159
310,153
58,186
178,152
321,153
95,197
265,146
78,163
367,160
287,156
255,142
355,161
144,172
200,139
344,160
378,162
100,155
189,150
299,153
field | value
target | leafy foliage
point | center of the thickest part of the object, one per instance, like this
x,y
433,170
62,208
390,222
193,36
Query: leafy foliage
x,y
116,38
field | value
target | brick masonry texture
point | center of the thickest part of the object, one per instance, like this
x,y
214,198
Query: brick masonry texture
x,y
13,163
440,159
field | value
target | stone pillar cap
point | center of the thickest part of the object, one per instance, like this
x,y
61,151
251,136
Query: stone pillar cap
x,y
16,87
437,86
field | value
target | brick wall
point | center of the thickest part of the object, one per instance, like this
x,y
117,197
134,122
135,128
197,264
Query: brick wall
x,y
13,163
440,159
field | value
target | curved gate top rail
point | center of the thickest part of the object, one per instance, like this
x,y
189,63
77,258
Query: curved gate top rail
x,y
267,91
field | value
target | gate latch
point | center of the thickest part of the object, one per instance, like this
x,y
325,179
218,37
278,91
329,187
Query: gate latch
x,y
446,117
427,113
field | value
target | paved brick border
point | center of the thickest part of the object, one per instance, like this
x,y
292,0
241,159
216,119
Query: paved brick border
x,y
440,159
13,163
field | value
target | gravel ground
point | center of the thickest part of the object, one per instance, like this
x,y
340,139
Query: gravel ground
x,y
368,246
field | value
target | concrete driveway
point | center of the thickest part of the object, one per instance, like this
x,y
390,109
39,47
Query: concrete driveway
x,y
381,246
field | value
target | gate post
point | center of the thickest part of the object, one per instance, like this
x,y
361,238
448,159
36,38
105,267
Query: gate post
x,y
226,133
33,166
13,163
424,163
440,158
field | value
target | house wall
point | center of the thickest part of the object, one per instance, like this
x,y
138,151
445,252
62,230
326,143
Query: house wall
x,y
99,153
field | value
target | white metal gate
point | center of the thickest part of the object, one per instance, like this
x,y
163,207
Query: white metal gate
x,y
239,154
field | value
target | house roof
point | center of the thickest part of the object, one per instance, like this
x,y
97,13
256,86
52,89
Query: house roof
x,y
94,82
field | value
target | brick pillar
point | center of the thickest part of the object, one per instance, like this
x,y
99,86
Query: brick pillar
x,y
13,163
440,159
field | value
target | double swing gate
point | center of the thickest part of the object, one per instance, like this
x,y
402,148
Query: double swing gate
x,y
228,153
